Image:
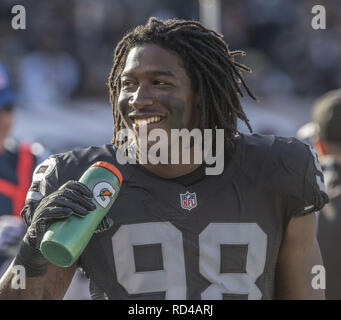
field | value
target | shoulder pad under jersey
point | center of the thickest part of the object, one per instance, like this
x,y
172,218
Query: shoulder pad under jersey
x,y
60,168
287,166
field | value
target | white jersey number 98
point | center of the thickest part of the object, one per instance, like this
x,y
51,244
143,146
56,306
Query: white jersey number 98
x,y
172,279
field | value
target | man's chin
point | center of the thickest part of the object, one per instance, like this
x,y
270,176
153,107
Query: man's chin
x,y
152,145
153,152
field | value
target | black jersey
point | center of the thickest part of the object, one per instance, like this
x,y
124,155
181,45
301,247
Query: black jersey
x,y
217,238
329,229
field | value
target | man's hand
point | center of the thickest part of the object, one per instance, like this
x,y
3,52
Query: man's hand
x,y
72,198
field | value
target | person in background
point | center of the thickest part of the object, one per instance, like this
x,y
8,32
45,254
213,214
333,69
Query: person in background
x,y
17,163
325,134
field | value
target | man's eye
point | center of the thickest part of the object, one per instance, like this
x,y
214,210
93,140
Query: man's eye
x,y
160,82
128,83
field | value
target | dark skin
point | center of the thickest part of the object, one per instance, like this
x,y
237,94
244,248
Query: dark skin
x,y
171,96
52,286
155,83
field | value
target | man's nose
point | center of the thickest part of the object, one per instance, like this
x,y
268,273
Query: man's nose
x,y
141,98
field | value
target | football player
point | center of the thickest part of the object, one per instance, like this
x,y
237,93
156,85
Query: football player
x,y
325,133
175,232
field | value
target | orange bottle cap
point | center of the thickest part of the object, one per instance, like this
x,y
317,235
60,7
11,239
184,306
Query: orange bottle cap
x,y
109,167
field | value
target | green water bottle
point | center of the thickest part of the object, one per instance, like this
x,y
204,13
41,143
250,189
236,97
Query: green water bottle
x,y
65,241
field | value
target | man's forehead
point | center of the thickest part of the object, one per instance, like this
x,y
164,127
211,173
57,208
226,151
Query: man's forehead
x,y
153,60
147,71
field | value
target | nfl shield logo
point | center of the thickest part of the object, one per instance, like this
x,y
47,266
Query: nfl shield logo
x,y
188,200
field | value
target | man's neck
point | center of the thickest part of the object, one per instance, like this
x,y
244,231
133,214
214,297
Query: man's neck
x,y
170,171
174,170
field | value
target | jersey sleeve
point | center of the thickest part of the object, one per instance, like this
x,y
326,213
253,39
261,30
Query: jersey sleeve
x,y
44,181
288,168
305,191
60,168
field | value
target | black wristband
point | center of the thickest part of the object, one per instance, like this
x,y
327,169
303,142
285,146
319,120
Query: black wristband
x,y
32,260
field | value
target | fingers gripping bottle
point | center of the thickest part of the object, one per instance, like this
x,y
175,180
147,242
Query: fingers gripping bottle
x,y
65,240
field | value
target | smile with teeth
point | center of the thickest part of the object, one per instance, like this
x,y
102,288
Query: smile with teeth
x,y
146,121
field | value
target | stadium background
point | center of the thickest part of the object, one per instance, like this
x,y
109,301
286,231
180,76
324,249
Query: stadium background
x,y
60,63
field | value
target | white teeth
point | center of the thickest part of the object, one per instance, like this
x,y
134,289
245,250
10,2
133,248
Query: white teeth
x,y
141,122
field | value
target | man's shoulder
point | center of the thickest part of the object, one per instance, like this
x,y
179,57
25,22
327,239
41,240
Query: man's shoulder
x,y
284,165
85,154
273,143
256,151
71,164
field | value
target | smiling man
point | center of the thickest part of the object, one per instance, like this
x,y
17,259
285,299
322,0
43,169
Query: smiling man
x,y
175,232
157,97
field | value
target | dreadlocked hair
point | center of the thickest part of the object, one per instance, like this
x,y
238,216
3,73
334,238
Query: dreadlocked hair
x,y
214,73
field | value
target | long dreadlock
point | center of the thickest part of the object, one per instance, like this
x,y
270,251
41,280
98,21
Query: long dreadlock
x,y
209,63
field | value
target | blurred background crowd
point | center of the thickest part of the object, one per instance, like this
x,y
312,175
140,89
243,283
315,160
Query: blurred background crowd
x,y
60,64
74,39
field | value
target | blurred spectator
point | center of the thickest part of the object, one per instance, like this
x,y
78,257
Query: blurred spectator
x,y
325,131
17,163
17,159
